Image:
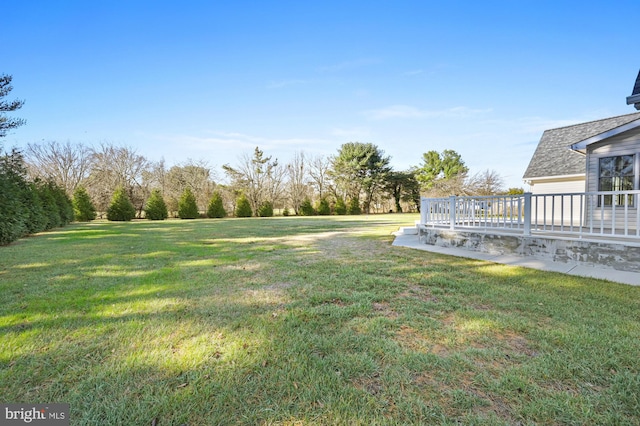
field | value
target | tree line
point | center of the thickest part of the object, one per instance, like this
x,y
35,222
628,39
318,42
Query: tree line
x,y
117,183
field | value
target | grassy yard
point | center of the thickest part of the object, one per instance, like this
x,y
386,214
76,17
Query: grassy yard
x,y
297,321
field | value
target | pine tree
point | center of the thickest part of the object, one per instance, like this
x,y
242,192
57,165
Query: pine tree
x,y
354,206
187,207
341,207
216,207
121,208
65,205
243,207
7,123
156,208
13,217
323,208
266,209
37,219
83,208
306,209
49,205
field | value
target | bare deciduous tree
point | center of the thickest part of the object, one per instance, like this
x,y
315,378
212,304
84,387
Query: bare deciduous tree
x,y
298,181
259,177
66,164
155,176
195,175
319,168
115,166
488,182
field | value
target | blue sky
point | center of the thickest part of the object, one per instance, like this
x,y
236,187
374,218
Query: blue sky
x,y
211,80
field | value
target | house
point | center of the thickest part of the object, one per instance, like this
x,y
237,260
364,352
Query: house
x,y
601,155
582,208
564,155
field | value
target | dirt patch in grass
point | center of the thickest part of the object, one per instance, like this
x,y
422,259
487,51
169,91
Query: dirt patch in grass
x,y
369,384
385,310
412,339
517,344
417,292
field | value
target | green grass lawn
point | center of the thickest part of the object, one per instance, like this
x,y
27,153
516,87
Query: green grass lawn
x,y
298,321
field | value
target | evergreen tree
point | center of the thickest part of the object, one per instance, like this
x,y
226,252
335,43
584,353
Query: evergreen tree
x,y
187,207
341,207
266,209
121,208
13,217
7,123
37,219
49,205
323,208
306,209
360,169
156,208
83,208
65,205
442,174
243,207
216,207
354,206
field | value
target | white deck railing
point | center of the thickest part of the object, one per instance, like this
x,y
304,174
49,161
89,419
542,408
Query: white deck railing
x,y
581,214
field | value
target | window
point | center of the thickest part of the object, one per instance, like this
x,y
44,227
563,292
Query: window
x,y
616,174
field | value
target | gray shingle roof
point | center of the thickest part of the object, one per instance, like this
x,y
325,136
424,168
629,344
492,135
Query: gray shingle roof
x,y
554,157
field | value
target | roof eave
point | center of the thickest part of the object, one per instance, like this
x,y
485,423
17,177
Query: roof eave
x,y
530,180
635,100
582,145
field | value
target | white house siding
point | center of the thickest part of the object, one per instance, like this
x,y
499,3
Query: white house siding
x,y
559,185
557,210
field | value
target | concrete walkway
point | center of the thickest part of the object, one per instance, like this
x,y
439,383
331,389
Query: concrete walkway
x,y
412,241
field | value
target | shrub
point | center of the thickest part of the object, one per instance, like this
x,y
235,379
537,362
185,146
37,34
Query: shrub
x,y
121,208
187,207
265,209
354,206
306,209
341,207
323,208
156,209
243,207
216,207
83,208
285,212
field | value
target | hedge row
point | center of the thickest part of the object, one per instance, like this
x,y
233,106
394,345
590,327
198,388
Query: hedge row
x,y
28,207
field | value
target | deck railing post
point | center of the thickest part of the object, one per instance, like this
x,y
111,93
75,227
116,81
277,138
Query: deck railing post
x,y
424,210
452,212
527,214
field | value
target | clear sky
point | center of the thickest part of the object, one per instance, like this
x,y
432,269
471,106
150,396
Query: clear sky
x,y
211,80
